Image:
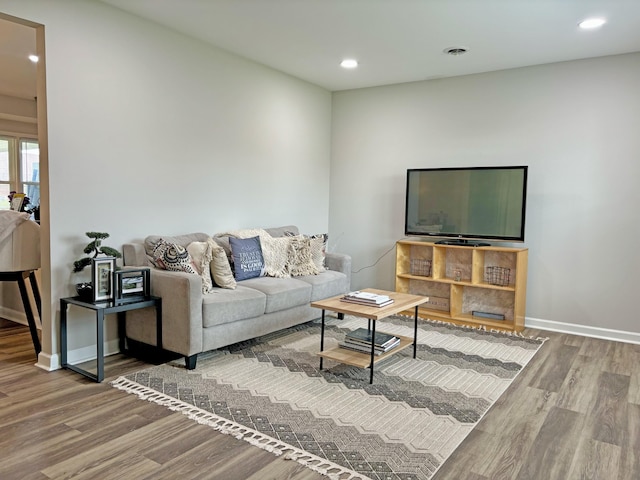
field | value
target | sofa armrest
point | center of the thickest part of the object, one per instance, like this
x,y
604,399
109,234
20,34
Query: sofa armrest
x,y
181,295
339,262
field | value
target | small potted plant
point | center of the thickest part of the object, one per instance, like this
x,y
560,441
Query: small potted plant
x,y
92,250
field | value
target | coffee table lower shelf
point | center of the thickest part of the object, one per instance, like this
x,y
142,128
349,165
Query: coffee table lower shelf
x,y
362,359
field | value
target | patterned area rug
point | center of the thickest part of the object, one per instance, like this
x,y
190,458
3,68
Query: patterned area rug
x,y
271,393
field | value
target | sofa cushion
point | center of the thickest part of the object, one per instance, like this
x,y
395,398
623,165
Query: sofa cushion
x,y
326,284
225,306
183,240
282,293
247,257
283,231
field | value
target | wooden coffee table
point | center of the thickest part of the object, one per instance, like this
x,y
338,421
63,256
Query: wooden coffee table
x,y
401,302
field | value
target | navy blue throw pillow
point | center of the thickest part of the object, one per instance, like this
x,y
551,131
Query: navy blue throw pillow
x,y
247,257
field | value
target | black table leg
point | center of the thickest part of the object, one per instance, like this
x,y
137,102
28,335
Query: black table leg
x,y
63,333
322,338
159,324
36,293
122,330
373,349
100,346
415,332
29,313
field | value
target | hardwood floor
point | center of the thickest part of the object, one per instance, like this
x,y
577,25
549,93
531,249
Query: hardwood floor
x,y
573,413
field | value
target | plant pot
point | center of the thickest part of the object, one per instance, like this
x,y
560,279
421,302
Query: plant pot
x,y
85,291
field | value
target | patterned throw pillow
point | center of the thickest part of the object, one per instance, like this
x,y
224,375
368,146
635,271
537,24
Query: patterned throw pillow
x,y
300,260
247,257
172,257
318,248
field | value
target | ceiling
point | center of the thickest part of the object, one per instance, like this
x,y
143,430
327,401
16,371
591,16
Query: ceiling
x,y
398,41
395,41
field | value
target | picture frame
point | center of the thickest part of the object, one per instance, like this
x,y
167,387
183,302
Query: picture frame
x,y
132,283
102,269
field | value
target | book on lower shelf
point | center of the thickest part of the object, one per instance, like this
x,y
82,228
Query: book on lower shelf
x,y
361,338
361,347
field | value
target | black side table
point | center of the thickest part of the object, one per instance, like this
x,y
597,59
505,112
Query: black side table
x,y
104,308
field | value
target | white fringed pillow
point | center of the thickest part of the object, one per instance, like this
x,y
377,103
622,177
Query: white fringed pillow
x,y
202,253
275,251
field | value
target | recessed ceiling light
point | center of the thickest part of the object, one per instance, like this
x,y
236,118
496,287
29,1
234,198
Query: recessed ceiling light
x,y
33,58
455,51
592,23
349,63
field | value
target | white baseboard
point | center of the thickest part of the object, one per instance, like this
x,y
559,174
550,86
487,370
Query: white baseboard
x,y
583,330
48,362
87,354
13,315
53,362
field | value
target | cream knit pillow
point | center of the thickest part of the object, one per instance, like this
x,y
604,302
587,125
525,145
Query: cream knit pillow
x,y
275,251
220,268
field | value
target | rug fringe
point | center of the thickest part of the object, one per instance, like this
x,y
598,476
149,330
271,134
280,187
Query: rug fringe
x,y
228,427
479,327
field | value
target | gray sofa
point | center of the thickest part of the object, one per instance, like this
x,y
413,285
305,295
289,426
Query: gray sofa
x,y
193,322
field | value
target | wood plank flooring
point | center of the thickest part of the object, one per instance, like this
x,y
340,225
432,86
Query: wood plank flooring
x,y
573,413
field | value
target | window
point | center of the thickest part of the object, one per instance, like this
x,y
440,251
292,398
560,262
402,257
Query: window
x,y
19,169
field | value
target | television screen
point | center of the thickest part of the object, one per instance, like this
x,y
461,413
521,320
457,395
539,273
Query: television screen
x,y
467,203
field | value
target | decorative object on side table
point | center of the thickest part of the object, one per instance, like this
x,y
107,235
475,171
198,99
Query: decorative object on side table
x,y
102,269
130,284
104,265
85,291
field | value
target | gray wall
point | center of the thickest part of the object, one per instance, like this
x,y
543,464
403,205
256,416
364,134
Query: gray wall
x,y
575,124
151,132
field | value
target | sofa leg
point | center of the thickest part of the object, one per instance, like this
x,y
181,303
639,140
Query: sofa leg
x,y
341,316
190,361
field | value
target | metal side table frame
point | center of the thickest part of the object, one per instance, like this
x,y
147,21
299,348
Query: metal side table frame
x,y
101,309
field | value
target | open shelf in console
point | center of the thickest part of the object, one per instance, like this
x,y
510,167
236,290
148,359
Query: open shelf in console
x,y
490,281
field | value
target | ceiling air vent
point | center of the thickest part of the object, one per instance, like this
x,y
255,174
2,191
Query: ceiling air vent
x,y
455,51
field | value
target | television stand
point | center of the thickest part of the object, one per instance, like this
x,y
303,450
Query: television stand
x,y
479,287
463,243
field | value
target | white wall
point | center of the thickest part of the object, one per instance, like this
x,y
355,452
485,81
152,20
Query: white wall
x,y
151,132
575,124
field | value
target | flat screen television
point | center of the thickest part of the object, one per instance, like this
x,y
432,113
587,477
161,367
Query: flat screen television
x,y
467,205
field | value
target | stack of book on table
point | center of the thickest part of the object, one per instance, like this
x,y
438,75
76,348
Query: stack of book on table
x,y
360,340
367,298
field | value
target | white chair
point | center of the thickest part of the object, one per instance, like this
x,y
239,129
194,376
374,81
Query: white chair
x,y
19,259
